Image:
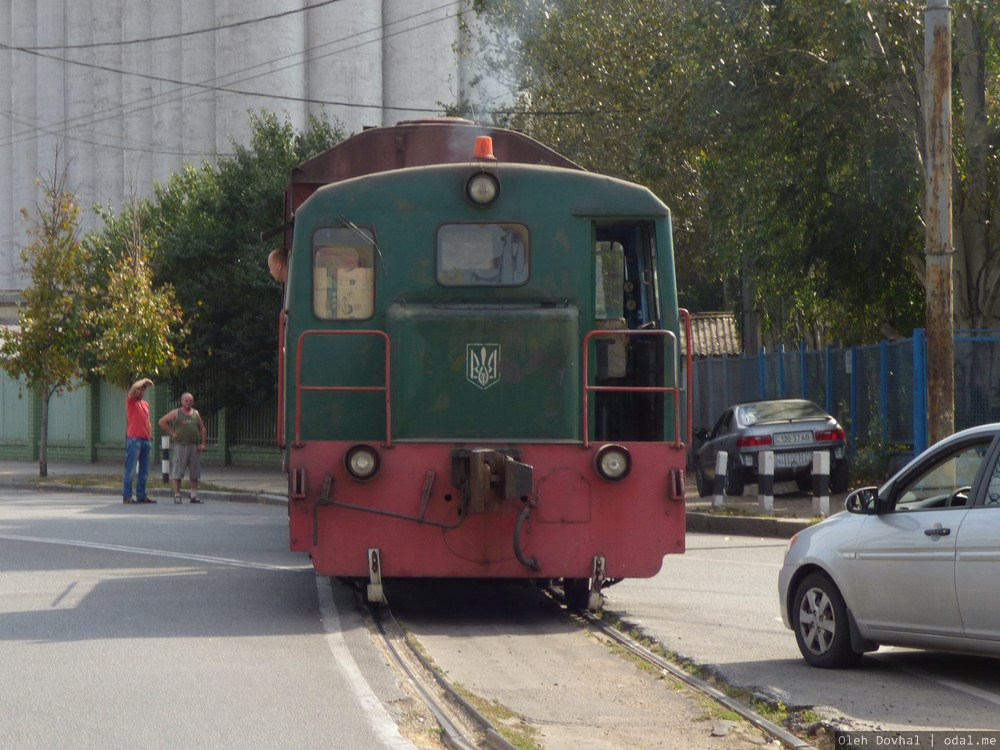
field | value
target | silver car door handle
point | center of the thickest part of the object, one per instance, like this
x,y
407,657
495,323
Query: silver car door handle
x,y
937,532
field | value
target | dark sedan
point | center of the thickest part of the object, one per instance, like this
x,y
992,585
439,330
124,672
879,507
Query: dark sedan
x,y
793,429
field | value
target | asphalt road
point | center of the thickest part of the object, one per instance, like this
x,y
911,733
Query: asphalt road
x,y
146,626
718,605
176,626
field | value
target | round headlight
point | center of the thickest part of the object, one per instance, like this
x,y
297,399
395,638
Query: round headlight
x,y
613,462
482,188
361,462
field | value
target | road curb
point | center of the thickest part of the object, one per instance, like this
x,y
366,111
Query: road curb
x,y
713,523
161,495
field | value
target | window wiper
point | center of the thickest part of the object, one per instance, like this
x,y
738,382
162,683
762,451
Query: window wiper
x,y
370,240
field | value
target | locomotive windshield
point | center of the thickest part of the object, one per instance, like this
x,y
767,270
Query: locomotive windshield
x,y
343,278
482,254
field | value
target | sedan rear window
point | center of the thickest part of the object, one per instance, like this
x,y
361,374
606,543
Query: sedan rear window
x,y
780,412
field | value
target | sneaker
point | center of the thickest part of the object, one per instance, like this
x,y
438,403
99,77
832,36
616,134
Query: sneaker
x,y
195,500
177,499
128,500
145,500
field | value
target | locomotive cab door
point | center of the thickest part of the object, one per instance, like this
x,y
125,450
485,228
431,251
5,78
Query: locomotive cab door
x,y
627,298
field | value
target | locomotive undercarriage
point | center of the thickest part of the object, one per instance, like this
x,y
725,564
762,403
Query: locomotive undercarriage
x,y
580,593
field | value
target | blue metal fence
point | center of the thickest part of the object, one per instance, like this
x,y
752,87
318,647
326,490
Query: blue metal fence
x,y
876,390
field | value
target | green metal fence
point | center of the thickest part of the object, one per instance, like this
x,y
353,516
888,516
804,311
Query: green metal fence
x,y
87,425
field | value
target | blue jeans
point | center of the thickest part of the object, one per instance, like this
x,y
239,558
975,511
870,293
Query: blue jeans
x,y
136,450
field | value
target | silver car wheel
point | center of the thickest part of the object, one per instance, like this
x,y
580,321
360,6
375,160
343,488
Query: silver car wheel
x,y
817,621
820,621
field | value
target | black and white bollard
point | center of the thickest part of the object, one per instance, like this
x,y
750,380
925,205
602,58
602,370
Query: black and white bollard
x,y
765,481
821,483
719,485
165,458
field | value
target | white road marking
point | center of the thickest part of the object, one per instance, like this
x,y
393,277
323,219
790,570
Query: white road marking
x,y
154,552
378,717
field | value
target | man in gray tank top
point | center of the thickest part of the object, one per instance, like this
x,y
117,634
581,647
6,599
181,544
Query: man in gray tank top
x,y
187,429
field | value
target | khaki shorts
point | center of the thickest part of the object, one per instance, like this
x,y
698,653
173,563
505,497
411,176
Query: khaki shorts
x,y
186,457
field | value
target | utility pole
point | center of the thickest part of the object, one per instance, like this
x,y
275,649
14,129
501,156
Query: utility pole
x,y
939,248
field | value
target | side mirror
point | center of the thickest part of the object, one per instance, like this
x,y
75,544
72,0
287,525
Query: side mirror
x,y
701,434
863,500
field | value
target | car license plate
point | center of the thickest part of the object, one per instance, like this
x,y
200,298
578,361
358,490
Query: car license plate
x,y
792,460
792,438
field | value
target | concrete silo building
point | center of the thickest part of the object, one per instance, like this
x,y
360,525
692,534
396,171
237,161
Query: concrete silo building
x,y
128,90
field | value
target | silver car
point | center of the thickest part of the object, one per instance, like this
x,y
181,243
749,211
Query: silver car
x,y
792,428
913,563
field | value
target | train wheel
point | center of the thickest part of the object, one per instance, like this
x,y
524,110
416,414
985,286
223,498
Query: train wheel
x,y
577,593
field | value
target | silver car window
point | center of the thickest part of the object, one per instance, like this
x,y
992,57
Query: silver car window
x,y
935,487
993,489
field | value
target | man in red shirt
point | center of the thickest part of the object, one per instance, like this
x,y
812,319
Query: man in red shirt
x,y
138,442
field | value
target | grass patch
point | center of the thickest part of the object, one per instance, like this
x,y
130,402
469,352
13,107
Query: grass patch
x,y
508,723
511,725
794,720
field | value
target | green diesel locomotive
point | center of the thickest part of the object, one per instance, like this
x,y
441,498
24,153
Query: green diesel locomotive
x,y
479,363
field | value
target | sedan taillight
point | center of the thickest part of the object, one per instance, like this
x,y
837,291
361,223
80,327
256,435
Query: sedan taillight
x,y
837,434
751,441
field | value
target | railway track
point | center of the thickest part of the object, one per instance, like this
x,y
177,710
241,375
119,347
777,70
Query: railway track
x,y
464,727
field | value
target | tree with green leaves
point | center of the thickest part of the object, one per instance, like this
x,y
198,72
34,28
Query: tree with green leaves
x,y
79,319
786,136
205,224
45,348
137,326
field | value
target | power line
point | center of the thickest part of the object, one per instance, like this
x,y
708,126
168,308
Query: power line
x,y
183,88
235,24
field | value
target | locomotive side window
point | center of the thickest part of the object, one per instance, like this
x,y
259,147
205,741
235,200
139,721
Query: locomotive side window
x,y
482,254
625,280
343,274
610,281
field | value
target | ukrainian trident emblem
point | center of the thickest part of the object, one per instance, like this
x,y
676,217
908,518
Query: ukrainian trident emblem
x,y
482,364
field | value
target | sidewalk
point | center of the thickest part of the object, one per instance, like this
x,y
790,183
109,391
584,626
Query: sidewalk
x,y
791,511
739,516
234,483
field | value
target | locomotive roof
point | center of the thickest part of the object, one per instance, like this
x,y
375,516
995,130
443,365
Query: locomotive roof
x,y
412,143
415,143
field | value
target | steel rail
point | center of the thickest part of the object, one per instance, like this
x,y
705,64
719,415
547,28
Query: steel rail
x,y
778,733
454,738
452,735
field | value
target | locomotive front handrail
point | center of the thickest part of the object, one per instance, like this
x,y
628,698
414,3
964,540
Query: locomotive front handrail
x,y
282,326
587,388
688,346
300,389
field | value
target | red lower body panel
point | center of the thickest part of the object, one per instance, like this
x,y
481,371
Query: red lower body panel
x,y
423,525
